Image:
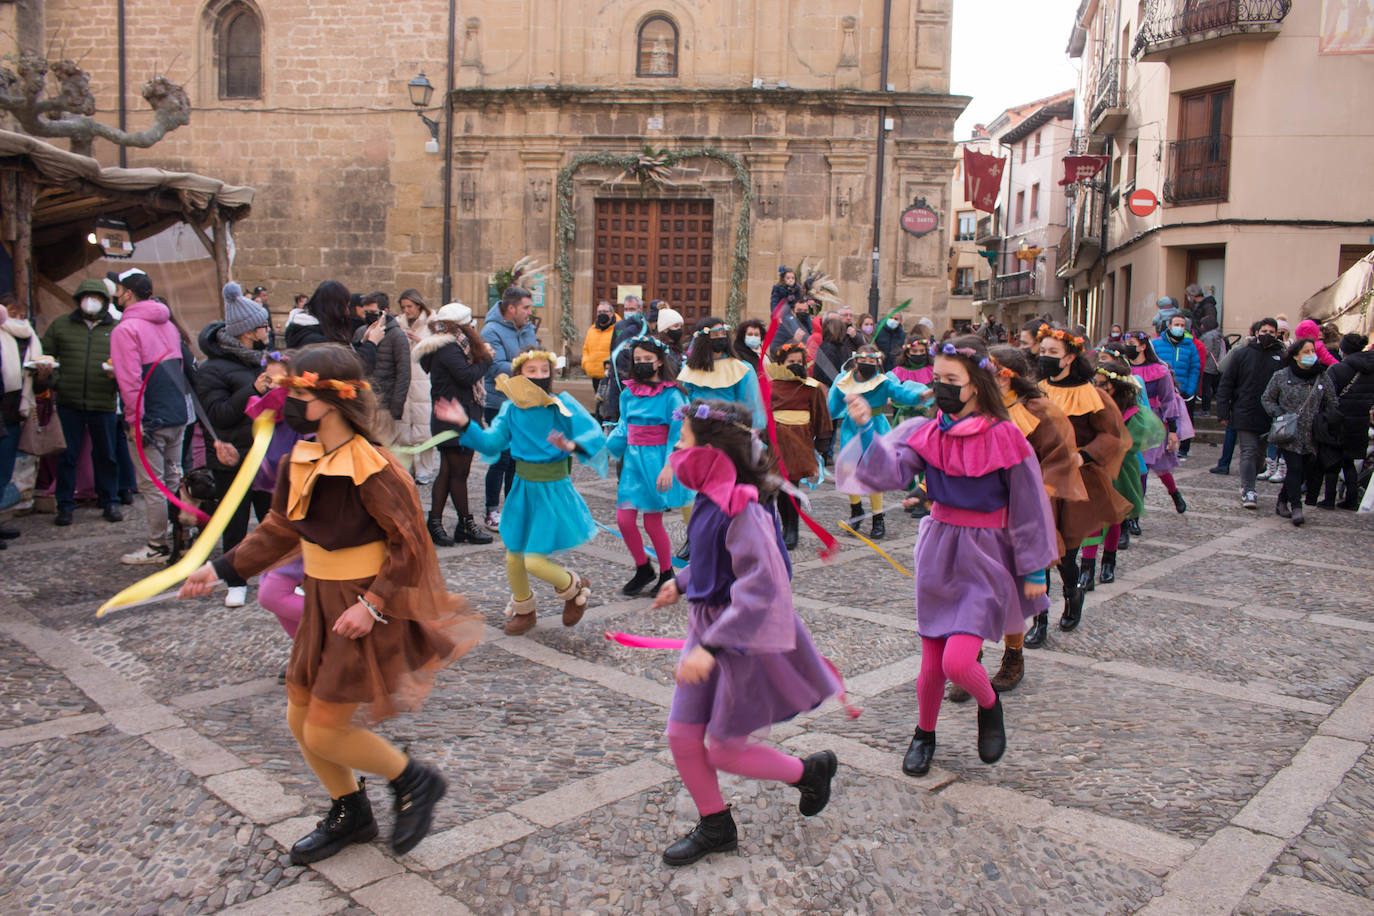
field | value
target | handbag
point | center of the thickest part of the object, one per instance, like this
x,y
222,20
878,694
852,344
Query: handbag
x,y
1283,432
41,434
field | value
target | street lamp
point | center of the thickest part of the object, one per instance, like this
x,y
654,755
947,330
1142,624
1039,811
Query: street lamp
x,y
421,90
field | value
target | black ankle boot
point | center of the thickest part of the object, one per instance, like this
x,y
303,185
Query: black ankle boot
x,y
817,771
992,732
1073,608
1281,508
1108,567
1040,627
644,574
919,753
1125,541
1179,504
1087,575
467,532
417,790
684,553
1132,525
856,510
713,833
789,532
438,535
349,821
879,528
664,577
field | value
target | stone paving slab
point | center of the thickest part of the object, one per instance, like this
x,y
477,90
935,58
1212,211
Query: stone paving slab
x,y
1283,585
879,847
1336,849
1119,747
31,692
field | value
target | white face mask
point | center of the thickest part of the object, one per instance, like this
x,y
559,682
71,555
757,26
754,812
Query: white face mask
x,y
752,342
92,305
893,323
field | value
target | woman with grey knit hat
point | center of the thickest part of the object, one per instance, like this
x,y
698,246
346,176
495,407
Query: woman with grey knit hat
x,y
232,374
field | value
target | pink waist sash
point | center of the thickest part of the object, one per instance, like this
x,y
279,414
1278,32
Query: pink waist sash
x,y
641,434
968,518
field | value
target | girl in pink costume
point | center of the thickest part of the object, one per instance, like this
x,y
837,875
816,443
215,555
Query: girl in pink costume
x,y
277,588
748,661
982,553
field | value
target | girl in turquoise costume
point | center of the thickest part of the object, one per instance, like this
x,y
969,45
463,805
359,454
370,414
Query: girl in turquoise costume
x,y
544,513
867,380
643,440
714,370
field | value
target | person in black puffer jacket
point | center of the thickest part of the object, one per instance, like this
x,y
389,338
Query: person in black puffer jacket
x,y
1247,373
231,374
456,358
1352,380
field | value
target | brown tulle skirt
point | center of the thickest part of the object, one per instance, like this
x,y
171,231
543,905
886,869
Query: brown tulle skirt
x,y
1078,521
389,670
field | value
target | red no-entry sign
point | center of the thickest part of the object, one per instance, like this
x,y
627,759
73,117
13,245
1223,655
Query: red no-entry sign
x,y
1142,202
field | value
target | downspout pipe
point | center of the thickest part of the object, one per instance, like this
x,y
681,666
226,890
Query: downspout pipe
x,y
882,161
446,284
123,85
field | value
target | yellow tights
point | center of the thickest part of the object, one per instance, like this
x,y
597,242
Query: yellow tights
x,y
876,499
520,566
336,749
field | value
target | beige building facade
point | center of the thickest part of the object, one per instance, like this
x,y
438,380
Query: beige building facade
x,y
307,103
1250,124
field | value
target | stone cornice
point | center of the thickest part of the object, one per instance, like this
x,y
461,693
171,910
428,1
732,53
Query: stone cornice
x,y
923,104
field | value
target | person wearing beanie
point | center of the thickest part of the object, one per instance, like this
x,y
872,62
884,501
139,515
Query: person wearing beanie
x,y
242,316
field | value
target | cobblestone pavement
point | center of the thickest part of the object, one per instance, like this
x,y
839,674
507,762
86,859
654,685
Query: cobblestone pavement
x,y
1200,745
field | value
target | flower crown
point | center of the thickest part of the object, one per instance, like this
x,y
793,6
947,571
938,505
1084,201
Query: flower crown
x,y
348,390
274,356
1069,340
703,412
1117,377
522,358
788,349
949,349
706,332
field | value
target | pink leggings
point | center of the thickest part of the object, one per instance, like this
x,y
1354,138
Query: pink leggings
x,y
1109,543
1165,477
277,593
653,525
954,658
697,763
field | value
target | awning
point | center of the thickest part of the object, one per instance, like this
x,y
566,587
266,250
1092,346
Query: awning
x,y
1349,302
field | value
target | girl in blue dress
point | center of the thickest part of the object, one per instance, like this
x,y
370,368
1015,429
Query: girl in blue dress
x,y
643,440
544,513
866,379
714,370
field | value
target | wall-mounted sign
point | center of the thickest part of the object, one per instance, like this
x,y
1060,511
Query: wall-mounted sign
x,y
919,219
1142,202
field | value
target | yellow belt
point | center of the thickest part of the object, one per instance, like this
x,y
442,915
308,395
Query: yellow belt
x,y
792,417
346,563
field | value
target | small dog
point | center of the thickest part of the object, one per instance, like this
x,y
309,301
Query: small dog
x,y
197,489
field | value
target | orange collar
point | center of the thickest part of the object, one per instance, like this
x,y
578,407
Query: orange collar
x,y
357,459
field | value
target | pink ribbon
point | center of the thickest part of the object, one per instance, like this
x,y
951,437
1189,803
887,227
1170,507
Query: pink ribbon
x,y
200,517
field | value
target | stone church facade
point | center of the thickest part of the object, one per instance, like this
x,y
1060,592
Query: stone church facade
x,y
307,102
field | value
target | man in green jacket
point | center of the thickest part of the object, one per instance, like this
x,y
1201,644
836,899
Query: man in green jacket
x,y
87,397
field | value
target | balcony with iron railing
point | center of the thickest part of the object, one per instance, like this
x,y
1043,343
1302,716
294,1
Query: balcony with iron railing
x,y
987,233
1172,24
1108,112
980,289
1199,170
1014,286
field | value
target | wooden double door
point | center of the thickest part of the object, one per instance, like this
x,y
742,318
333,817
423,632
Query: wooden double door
x,y
663,246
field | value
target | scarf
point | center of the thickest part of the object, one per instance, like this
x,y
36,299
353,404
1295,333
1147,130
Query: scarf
x,y
234,349
18,343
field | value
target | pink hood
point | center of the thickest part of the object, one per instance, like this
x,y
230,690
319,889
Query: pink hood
x,y
1308,330
145,334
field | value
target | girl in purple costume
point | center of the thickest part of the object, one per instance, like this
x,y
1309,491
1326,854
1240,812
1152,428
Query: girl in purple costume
x,y
1168,405
981,554
748,661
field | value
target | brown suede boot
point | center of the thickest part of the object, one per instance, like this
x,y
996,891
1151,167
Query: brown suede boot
x,y
575,599
1012,670
521,614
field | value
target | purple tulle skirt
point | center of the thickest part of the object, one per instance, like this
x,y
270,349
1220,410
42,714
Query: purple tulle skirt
x,y
748,693
965,583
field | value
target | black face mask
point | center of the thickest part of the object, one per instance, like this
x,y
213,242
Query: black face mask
x,y
720,346
371,317
917,361
546,383
644,371
797,369
293,415
1049,366
947,397
1265,340
1130,352
603,321
673,334
259,345
864,371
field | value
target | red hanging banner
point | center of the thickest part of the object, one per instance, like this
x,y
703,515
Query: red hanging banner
x,y
982,179
1081,168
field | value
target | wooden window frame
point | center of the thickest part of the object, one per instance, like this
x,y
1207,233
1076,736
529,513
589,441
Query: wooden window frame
x,y
228,17
639,47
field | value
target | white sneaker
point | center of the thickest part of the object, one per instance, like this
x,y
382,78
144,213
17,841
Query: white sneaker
x,y
237,596
148,553
492,520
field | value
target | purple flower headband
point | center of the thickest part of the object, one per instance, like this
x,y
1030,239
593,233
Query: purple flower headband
x,y
949,349
703,412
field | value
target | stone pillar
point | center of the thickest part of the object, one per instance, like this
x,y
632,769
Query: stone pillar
x,y
768,248
468,268
540,167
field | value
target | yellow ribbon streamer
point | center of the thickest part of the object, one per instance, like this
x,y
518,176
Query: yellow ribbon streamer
x,y
431,442
883,553
174,575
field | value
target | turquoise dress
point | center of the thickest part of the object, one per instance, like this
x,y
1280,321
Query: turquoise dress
x,y
652,406
877,391
543,515
731,380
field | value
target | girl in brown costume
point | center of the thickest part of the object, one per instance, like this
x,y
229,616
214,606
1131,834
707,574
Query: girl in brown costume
x,y
802,422
378,622
1066,376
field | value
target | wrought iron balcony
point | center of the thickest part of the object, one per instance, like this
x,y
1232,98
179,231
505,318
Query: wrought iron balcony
x,y
1170,24
1199,170
987,233
1108,110
961,291
980,289
1015,286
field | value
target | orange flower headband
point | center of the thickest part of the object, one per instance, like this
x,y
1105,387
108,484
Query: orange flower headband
x,y
347,390
1060,334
